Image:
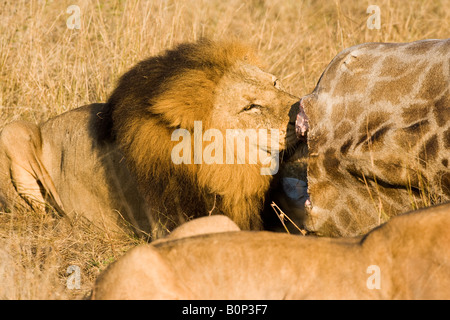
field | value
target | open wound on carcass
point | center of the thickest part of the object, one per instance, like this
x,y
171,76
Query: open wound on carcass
x,y
301,123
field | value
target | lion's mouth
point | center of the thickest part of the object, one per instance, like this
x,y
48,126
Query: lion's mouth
x,y
301,122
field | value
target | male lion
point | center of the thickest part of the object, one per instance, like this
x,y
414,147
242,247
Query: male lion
x,y
406,258
118,159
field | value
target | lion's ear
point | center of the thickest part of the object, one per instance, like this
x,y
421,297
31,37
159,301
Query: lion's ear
x,y
253,60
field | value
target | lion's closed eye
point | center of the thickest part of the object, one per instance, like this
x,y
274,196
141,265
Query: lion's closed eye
x,y
253,108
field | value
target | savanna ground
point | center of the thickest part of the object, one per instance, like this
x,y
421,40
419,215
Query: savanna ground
x,y
47,68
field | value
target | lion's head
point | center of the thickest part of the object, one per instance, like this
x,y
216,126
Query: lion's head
x,y
177,118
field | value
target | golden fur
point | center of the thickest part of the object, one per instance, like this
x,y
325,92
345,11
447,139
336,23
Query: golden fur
x,y
112,162
406,258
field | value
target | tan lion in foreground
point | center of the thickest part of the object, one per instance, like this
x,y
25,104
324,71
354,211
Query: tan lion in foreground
x,y
117,160
406,258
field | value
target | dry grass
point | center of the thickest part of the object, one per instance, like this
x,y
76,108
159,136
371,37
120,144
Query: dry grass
x,y
36,251
46,69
